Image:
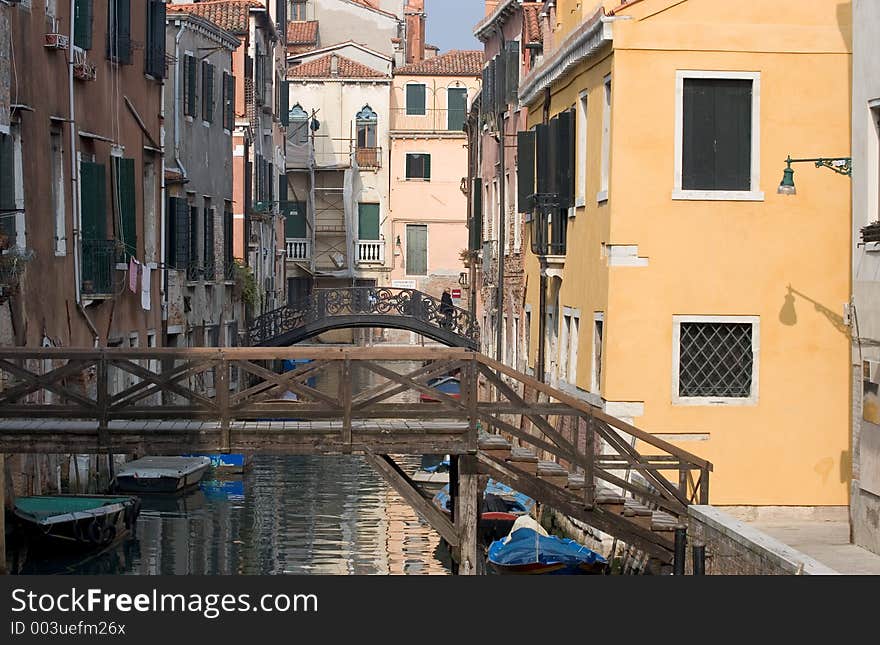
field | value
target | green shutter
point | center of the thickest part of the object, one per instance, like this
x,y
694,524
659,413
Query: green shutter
x,y
415,99
126,210
93,198
208,251
154,61
295,220
426,166
207,92
416,249
368,221
285,103
119,31
476,232
227,240
82,24
181,233
193,236
456,108
189,70
7,175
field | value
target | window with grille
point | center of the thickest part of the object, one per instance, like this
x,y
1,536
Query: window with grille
x,y
717,358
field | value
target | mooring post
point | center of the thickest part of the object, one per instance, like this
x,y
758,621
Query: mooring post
x,y
680,548
221,390
2,514
467,514
699,559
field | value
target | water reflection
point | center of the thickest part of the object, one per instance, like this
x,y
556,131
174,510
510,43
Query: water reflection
x,y
323,515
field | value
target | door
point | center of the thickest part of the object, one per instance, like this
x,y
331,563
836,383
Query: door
x,y
416,249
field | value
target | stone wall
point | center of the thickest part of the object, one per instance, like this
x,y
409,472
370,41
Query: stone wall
x,y
735,548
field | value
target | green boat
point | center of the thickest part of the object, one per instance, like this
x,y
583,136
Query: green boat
x,y
77,520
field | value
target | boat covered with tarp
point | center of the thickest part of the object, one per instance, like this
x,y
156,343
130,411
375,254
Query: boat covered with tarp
x,y
528,549
160,474
77,520
501,507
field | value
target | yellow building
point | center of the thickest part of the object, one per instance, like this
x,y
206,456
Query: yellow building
x,y
680,290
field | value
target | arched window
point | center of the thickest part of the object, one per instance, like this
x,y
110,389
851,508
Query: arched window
x,y
366,121
298,131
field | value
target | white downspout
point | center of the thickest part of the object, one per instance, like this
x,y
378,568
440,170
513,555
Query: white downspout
x,y
177,99
74,182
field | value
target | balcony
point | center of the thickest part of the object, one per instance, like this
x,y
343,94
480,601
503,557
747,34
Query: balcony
x,y
431,120
298,248
371,252
98,260
369,158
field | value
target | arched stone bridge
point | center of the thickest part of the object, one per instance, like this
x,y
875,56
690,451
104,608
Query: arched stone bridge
x,y
344,308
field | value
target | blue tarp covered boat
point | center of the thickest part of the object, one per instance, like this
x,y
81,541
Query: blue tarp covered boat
x,y
501,507
529,550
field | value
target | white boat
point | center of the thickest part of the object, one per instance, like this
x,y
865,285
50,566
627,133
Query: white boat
x,y
161,474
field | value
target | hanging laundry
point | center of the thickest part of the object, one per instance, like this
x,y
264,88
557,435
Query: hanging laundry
x,y
145,288
133,274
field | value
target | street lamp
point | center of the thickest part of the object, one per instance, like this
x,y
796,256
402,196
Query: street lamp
x,y
840,165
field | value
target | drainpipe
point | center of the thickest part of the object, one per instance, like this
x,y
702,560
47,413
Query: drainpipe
x,y
74,184
499,335
177,98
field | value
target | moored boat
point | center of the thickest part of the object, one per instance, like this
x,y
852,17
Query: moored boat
x,y
502,506
528,549
76,520
160,474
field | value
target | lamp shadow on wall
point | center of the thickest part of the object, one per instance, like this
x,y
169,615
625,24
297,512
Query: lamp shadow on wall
x,y
788,312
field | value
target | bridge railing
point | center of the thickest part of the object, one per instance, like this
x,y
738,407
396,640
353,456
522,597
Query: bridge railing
x,y
365,302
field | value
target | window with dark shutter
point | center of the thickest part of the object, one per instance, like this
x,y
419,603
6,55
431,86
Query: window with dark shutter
x,y
284,102
281,18
7,189
565,152
456,108
544,159
124,205
368,221
525,170
82,24
418,166
207,92
208,249
193,243
415,99
416,249
178,233
93,201
189,85
119,31
512,65
154,60
228,101
295,220
228,235
716,149
500,83
476,228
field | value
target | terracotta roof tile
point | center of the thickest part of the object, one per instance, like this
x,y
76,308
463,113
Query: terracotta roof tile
x,y
320,68
457,62
231,15
531,24
302,32
372,5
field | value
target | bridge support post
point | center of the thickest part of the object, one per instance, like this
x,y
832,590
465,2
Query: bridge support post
x,y
679,554
467,514
221,388
2,514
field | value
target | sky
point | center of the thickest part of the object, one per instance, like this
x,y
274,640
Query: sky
x,y
451,23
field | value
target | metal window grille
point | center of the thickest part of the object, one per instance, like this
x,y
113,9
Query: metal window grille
x,y
715,360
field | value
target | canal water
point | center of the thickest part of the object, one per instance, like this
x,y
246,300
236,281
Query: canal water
x,y
315,515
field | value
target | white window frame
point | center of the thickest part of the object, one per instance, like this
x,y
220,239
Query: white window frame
x,y
406,103
573,335
564,340
872,169
504,339
754,193
515,345
527,334
602,195
581,192
596,365
752,399
58,190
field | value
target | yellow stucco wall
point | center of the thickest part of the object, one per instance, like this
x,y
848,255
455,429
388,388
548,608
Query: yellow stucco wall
x,y
718,258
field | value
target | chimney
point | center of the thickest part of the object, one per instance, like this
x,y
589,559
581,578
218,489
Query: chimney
x,y
334,65
415,31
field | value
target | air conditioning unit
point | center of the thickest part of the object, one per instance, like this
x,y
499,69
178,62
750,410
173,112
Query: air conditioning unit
x,y
56,41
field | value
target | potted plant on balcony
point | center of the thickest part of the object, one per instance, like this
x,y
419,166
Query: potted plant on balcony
x,y
245,287
12,265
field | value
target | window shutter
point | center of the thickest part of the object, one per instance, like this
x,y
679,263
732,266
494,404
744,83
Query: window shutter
x,y
512,68
698,135
416,249
182,233
491,95
525,171
208,251
409,166
123,170
207,92
82,26
7,177
285,103
190,78
542,154
733,134
484,92
565,158
552,171
227,239
93,197
193,255
123,31
229,101
154,61
456,108
368,221
476,232
415,99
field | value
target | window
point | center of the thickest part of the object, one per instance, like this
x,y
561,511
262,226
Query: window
x,y
154,60
149,211
281,18
207,92
368,221
527,332
12,223
515,345
189,85
228,101
456,108
872,169
178,233
565,339
571,328
58,192
606,142
504,353
82,24
295,220
416,249
208,246
193,265
119,31
298,10
227,239
124,208
581,190
95,261
715,360
496,212
415,99
418,166
598,333
298,131
282,111
717,135
365,122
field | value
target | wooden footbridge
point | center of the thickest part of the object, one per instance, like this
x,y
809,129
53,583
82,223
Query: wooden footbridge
x,y
547,444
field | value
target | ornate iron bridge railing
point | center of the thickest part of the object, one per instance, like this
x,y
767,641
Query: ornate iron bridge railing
x,y
326,309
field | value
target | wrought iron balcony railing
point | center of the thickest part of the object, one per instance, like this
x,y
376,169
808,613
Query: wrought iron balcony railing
x,y
369,158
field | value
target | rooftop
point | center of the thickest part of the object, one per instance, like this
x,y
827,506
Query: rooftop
x,y
321,68
302,32
231,15
458,62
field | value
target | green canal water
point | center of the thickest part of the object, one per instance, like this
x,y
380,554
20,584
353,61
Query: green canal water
x,y
303,515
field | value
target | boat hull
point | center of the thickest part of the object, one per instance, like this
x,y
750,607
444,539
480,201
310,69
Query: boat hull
x,y
95,527
161,475
154,485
